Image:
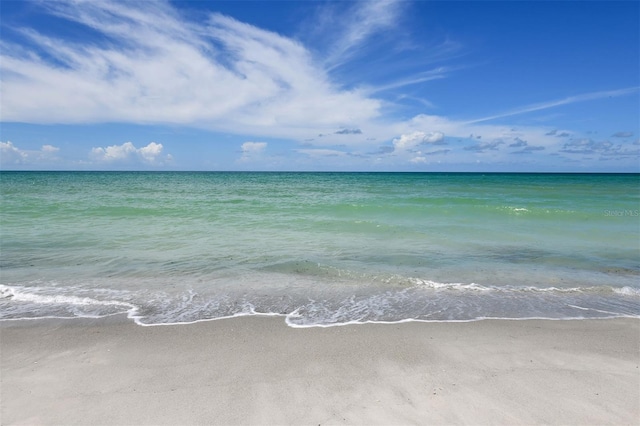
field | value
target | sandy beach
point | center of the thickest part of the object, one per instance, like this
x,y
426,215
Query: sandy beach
x,y
256,370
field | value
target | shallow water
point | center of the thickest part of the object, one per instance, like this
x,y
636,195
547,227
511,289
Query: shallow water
x,y
320,248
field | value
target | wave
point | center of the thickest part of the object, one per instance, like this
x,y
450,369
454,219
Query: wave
x,y
46,302
423,300
628,291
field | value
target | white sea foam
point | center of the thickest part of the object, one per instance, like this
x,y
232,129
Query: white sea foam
x,y
450,286
548,289
593,309
355,322
509,288
425,301
48,305
627,291
63,300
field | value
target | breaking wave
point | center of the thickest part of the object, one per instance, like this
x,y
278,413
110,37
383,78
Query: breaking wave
x,y
422,300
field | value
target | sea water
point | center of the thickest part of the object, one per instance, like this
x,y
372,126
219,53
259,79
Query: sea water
x,y
319,249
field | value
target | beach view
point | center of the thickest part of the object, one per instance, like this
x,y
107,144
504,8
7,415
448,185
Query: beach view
x,y
302,213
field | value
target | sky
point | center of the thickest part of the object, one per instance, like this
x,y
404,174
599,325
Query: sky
x,y
504,86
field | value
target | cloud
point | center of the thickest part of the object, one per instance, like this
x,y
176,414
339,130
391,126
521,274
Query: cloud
x,y
383,150
11,155
349,132
585,146
50,148
253,147
620,152
529,150
409,141
351,29
407,147
518,143
146,63
604,148
423,157
438,152
319,153
434,138
622,134
484,146
127,153
151,153
157,67
526,148
252,151
566,101
422,77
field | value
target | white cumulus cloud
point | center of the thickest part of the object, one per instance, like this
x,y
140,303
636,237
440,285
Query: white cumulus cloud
x,y
50,148
253,147
412,140
127,153
252,151
11,155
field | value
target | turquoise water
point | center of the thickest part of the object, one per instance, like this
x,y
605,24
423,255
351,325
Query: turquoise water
x,y
319,248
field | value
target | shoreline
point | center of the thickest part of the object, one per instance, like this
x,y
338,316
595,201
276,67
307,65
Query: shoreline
x,y
133,319
258,370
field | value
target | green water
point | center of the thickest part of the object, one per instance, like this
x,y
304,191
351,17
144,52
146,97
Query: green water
x,y
321,248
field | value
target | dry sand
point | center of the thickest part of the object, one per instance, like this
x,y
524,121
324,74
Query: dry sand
x,y
256,370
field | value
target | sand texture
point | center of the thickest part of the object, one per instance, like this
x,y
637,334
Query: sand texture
x,y
256,370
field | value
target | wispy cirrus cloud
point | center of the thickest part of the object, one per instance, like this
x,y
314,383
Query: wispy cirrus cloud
x,y
157,67
150,65
558,102
351,29
145,63
421,77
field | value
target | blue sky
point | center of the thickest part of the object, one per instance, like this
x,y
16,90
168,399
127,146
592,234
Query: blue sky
x,y
312,85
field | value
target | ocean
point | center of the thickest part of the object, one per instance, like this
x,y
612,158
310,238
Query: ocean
x,y
319,249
